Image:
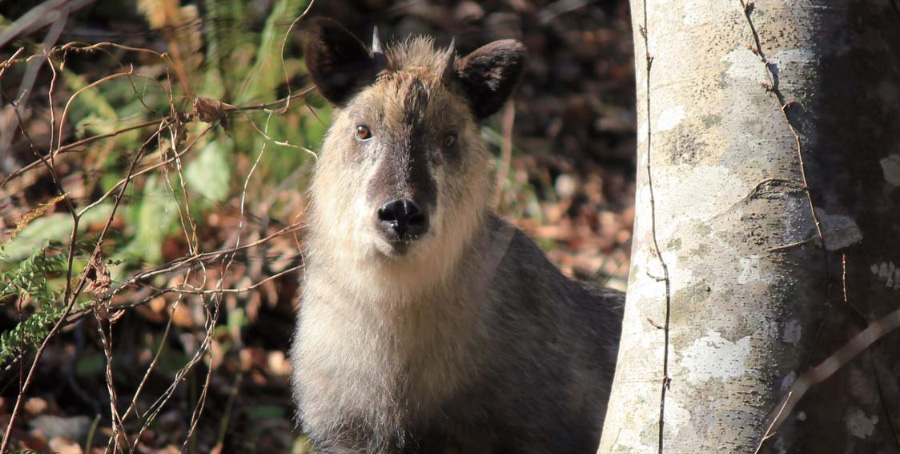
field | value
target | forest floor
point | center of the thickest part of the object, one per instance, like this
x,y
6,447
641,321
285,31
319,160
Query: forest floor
x,y
196,344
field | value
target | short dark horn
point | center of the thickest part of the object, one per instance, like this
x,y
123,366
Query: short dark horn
x,y
378,52
449,69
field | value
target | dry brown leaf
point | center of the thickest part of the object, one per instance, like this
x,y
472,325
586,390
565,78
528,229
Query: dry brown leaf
x,y
35,406
61,445
97,276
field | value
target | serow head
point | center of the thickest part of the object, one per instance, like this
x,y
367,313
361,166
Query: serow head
x,y
403,161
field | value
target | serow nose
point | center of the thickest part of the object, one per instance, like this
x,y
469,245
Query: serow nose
x,y
403,218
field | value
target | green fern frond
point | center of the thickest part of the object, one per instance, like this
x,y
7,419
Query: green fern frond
x,y
32,279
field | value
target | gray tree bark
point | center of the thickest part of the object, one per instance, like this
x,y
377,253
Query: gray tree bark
x,y
768,230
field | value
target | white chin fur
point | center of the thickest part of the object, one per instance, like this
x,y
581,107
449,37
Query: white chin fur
x,y
393,250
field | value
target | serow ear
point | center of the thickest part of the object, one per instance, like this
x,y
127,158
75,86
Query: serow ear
x,y
489,74
338,63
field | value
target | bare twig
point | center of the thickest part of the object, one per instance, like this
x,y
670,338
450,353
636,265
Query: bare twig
x,y
199,258
195,262
860,343
265,134
865,321
287,78
791,245
40,16
118,425
140,388
666,379
57,17
62,119
774,87
71,296
75,145
816,375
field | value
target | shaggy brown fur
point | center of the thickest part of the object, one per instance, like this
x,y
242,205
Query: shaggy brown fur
x,y
463,339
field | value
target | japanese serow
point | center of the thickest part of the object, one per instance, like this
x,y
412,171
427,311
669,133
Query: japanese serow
x,y
427,323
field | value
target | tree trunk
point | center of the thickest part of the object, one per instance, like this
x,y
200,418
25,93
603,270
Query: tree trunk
x,y
769,181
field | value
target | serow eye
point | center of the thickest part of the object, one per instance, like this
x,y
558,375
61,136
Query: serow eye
x,y
363,133
450,140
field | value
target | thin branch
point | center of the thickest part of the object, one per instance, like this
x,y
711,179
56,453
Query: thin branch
x,y
74,145
791,245
287,78
189,291
265,134
62,119
800,386
144,170
140,388
175,123
118,425
865,321
85,47
666,380
860,343
775,88
70,298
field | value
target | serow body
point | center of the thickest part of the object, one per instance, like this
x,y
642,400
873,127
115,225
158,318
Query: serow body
x,y
427,324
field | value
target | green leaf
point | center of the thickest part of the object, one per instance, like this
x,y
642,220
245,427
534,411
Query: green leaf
x,y
267,72
155,218
53,227
209,174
